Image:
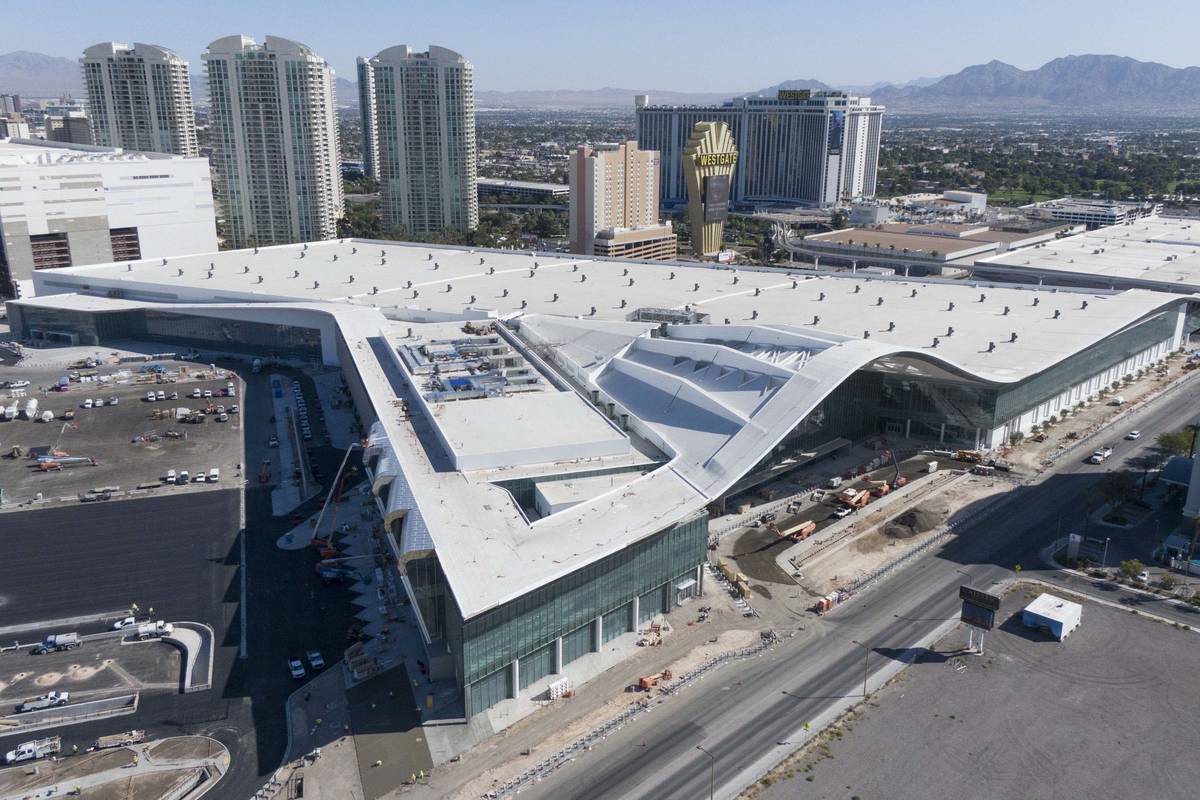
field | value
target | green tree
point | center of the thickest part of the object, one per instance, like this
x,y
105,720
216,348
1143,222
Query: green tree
x,y
1131,568
1174,443
1117,487
839,220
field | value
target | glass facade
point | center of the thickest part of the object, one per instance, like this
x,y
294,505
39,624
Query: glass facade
x,y
524,628
170,327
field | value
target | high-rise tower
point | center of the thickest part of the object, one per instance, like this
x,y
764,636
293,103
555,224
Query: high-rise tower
x,y
275,146
425,117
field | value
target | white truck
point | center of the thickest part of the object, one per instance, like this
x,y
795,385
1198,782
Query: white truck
x,y
38,748
154,630
48,700
120,740
55,642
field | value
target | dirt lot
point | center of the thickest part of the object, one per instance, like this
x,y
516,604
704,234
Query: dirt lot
x,y
97,669
108,434
892,532
1104,714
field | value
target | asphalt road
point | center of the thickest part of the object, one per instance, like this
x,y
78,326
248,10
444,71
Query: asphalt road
x,y
749,712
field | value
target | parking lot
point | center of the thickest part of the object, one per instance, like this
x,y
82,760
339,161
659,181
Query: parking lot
x,y
1106,713
120,446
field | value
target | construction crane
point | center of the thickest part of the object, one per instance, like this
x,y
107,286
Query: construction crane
x,y
61,431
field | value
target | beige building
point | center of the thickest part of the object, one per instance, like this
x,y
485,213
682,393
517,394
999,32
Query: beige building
x,y
614,203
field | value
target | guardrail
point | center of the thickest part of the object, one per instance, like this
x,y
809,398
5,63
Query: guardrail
x,y
951,529
1121,416
584,743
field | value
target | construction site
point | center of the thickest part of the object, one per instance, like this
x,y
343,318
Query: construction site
x,y
92,433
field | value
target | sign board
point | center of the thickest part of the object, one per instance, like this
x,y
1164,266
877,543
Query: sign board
x,y
978,608
978,616
793,95
979,598
716,197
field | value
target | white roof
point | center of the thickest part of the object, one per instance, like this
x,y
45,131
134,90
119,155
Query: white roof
x,y
1055,608
707,402
17,152
1156,252
453,283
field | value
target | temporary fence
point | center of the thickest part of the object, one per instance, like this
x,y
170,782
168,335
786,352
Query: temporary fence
x,y
585,743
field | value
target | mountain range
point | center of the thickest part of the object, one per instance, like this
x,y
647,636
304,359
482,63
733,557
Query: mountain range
x,y
1100,83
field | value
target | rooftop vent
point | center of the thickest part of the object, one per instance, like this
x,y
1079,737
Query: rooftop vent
x,y
866,334
816,319
857,288
555,298
982,298
316,284
1037,301
351,279
879,301
1057,313
335,256
991,346
936,341
914,293
1013,337
951,306
671,277
757,291
950,331
695,287
295,273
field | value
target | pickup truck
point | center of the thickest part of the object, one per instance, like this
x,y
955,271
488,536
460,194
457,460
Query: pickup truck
x,y
49,700
1101,454
38,748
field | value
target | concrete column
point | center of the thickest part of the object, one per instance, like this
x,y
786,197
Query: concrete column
x,y
942,434
699,580
906,270
515,674
853,267
634,611
908,429
598,634
816,262
558,655
1191,507
467,698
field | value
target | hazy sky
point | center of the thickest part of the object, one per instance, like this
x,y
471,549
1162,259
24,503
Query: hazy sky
x,y
735,45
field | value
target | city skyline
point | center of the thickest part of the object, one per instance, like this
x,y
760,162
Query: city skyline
x,y
883,43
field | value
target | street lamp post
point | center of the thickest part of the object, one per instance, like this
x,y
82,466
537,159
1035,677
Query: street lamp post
x,y
1104,558
866,655
712,772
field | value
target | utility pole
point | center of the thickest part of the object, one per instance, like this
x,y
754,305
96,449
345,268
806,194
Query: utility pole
x,y
712,772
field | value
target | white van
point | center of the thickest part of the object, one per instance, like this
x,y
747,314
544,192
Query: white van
x,y
183,477
170,478
214,475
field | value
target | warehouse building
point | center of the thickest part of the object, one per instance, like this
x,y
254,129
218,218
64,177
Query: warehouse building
x,y
545,433
1156,252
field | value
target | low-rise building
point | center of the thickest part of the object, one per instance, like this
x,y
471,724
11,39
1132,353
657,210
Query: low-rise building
x,y
493,190
545,432
68,205
1092,213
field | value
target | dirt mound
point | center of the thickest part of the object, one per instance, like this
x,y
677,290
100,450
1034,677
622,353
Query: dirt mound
x,y
918,519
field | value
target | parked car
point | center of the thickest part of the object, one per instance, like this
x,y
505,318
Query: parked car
x,y
98,402
183,477
273,441
841,512
160,395
112,401
86,403
170,476
126,622
151,397
1133,435
315,660
1144,576
208,392
296,668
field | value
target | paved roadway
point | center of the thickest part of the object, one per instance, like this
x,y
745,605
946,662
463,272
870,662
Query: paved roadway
x,y
742,713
